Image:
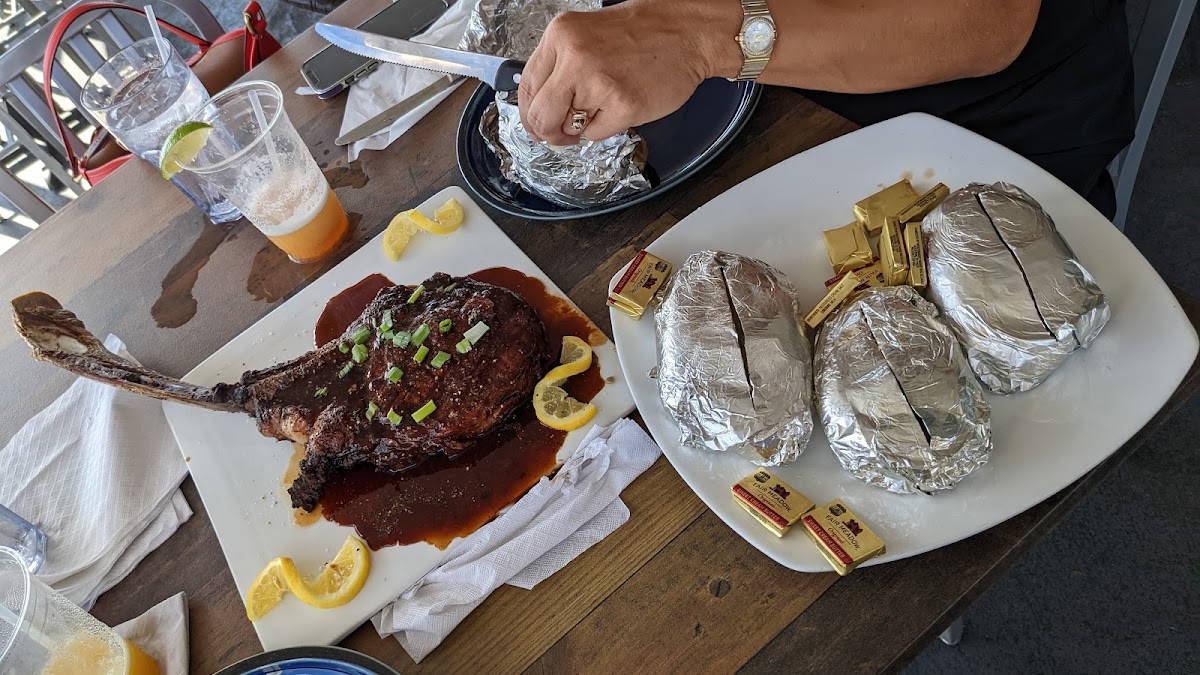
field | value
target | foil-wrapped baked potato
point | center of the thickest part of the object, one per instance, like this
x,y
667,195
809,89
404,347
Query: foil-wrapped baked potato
x,y
1009,285
734,363
897,400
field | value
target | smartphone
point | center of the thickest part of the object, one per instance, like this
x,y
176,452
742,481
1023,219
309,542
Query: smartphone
x,y
331,70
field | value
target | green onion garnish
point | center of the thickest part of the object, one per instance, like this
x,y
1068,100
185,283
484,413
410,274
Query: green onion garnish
x,y
386,322
321,393
420,355
445,325
344,348
371,410
360,336
419,335
387,335
448,287
439,359
394,374
463,346
359,353
346,369
416,294
424,411
475,332
393,417
401,339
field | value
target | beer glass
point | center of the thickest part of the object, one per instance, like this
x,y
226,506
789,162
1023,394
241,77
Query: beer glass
x,y
257,160
43,633
140,100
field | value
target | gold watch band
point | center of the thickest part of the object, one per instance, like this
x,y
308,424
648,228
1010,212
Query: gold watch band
x,y
752,67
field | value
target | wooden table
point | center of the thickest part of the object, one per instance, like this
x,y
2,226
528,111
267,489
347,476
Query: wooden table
x,y
674,589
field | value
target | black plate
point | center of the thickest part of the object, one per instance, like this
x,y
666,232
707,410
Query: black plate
x,y
679,144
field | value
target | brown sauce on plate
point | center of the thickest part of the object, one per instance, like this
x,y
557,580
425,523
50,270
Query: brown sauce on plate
x,y
299,516
343,308
448,497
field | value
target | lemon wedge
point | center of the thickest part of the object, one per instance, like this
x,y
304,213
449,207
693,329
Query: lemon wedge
x,y
553,407
397,235
447,218
339,581
183,145
268,588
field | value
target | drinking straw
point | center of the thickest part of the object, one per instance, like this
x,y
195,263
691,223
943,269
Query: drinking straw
x,y
261,118
158,38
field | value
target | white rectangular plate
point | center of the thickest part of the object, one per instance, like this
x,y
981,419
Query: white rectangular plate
x,y
1044,439
238,471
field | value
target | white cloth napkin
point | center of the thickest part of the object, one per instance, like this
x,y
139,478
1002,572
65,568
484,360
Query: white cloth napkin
x,y
99,472
553,523
162,632
390,84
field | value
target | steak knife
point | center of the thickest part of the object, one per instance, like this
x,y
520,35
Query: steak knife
x,y
389,116
499,73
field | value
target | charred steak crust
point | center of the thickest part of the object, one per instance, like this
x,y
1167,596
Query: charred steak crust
x,y
474,392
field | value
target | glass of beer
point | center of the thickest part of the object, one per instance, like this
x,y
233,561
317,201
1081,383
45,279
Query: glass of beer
x,y
254,156
43,633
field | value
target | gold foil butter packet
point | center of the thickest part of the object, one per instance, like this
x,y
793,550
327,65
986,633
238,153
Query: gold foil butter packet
x,y
833,299
773,503
914,242
842,537
891,252
871,276
637,287
917,210
887,202
847,247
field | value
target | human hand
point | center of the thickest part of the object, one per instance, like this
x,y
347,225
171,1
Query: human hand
x,y
625,65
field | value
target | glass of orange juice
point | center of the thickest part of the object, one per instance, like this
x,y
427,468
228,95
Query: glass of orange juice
x,y
41,632
255,158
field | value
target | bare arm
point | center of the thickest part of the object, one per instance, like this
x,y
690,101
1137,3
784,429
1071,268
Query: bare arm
x,y
869,46
641,60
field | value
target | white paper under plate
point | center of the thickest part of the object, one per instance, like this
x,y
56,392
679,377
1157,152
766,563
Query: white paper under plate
x,y
238,471
1044,439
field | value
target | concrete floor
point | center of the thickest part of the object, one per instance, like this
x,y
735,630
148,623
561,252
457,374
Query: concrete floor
x,y
1116,586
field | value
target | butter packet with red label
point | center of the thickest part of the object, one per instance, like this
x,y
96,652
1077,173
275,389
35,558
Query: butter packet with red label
x,y
772,502
842,537
636,288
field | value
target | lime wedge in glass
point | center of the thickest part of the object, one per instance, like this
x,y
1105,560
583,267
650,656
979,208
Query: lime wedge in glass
x,y
183,145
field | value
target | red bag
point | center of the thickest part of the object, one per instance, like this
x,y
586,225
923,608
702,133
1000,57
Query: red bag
x,y
217,64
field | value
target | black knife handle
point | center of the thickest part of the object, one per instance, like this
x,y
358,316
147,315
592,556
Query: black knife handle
x,y
508,75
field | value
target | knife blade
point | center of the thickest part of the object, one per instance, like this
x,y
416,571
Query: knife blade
x,y
389,116
499,73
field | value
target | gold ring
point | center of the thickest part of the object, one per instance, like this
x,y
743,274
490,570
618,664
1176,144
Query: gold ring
x,y
579,120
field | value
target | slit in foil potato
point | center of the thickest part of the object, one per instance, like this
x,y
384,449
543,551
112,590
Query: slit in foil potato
x,y
897,401
734,364
1009,285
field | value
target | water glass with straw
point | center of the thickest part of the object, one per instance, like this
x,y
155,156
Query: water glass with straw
x,y
140,95
43,633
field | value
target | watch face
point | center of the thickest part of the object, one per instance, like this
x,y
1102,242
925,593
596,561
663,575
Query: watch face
x,y
758,36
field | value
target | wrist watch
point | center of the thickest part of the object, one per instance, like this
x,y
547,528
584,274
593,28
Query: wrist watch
x,y
757,38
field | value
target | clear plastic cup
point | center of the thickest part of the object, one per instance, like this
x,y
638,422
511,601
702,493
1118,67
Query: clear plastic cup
x,y
256,159
141,100
43,633
23,537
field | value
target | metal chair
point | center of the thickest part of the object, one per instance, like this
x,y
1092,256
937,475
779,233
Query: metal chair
x,y
26,118
1158,38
